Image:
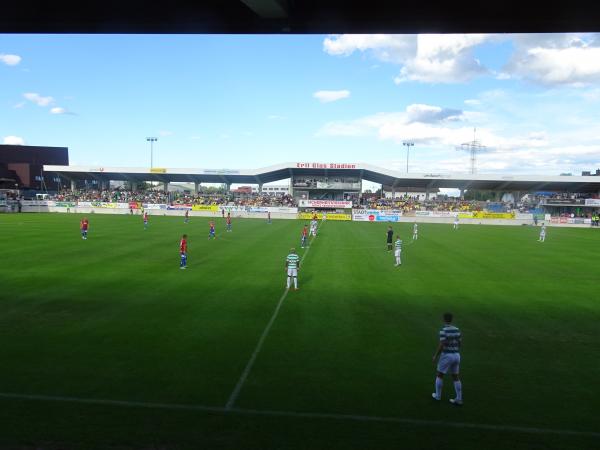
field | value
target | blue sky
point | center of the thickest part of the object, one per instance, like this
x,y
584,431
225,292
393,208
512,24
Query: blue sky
x,y
224,101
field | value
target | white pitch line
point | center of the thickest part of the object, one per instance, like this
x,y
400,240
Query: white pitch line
x,y
238,387
303,415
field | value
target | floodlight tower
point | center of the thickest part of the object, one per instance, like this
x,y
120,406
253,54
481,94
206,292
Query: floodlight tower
x,y
473,147
152,140
408,146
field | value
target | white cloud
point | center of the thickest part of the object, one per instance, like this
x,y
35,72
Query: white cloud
x,y
13,140
428,58
58,110
472,102
19,105
419,122
10,60
331,96
431,114
38,99
165,133
556,59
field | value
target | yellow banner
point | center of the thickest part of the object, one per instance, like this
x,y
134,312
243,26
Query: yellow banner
x,y
330,216
158,170
486,215
213,208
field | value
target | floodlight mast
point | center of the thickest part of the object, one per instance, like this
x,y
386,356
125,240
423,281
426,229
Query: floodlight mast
x,y
152,140
408,146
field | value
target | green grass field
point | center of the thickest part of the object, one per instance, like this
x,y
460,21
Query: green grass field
x,y
346,363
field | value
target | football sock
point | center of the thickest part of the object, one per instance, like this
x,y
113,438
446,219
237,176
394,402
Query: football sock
x,y
458,389
295,282
288,282
438,387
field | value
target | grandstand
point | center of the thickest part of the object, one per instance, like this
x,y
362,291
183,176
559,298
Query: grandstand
x,y
338,187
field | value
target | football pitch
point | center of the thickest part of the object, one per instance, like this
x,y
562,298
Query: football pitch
x,y
105,343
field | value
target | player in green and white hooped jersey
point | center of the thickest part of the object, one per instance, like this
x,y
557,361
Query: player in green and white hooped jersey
x,y
398,251
449,348
292,263
542,237
415,231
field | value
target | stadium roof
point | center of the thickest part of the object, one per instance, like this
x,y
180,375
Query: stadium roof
x,y
366,172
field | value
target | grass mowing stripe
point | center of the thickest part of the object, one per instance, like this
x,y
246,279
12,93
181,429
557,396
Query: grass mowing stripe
x,y
238,387
303,415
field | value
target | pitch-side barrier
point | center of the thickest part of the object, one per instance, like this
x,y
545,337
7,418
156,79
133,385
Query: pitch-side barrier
x,y
282,212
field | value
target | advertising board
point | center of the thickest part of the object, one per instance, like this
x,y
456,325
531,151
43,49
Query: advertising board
x,y
375,215
213,208
325,204
330,216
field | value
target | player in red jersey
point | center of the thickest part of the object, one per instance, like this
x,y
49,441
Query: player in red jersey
x,y
145,220
304,235
211,230
187,216
83,226
228,220
183,252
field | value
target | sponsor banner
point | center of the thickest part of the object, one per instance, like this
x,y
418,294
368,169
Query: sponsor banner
x,y
135,205
221,171
63,204
34,202
180,207
213,208
282,209
325,204
84,204
592,202
492,215
375,215
158,170
554,219
257,209
485,215
329,216
123,205
436,214
233,208
154,206
109,205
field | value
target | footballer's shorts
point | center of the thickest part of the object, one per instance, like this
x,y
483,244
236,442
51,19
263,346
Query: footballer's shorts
x,y
397,253
449,362
293,273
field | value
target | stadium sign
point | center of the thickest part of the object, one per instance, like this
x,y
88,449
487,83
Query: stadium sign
x,y
316,165
325,204
158,170
592,202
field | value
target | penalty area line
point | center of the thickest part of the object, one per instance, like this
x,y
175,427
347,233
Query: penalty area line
x,y
301,415
240,384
